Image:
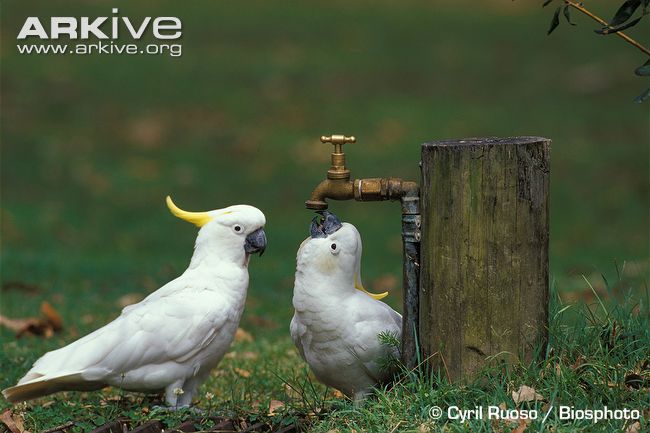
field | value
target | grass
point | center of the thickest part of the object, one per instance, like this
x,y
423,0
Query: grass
x,y
91,145
597,357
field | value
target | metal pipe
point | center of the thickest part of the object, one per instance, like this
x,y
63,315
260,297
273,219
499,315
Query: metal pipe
x,y
411,224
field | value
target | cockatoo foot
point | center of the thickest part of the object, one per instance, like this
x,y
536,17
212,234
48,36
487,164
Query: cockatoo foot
x,y
193,409
359,399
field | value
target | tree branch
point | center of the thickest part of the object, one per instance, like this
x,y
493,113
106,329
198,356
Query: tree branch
x,y
580,8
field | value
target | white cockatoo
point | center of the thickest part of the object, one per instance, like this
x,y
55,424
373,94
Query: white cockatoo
x,y
336,321
173,338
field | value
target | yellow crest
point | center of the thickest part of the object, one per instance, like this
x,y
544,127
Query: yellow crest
x,y
199,219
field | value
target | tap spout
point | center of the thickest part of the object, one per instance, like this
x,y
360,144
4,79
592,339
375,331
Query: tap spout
x,y
329,188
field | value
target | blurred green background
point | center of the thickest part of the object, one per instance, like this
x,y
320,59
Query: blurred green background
x,y
92,144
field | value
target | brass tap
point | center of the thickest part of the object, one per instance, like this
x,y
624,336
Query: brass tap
x,y
338,171
338,186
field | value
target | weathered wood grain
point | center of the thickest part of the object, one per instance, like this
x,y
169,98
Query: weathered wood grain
x,y
484,252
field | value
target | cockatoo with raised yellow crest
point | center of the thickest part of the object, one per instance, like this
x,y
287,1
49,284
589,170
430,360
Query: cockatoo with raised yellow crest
x,y
173,338
336,323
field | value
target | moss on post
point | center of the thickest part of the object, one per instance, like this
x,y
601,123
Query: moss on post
x,y
484,252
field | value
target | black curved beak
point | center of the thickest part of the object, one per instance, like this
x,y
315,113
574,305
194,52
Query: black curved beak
x,y
316,229
331,222
255,242
323,226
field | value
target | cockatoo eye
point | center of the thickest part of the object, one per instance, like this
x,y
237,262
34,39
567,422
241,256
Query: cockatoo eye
x,y
334,249
237,228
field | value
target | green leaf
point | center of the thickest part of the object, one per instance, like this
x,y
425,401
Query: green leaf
x,y
643,70
643,96
555,21
547,2
610,30
624,12
567,15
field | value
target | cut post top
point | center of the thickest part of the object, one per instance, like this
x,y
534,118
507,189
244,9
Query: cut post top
x,y
482,141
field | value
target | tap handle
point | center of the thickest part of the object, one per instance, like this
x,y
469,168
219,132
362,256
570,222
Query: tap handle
x,y
338,140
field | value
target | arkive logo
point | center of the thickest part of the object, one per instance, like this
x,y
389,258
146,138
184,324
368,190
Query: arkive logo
x,y
100,35
101,27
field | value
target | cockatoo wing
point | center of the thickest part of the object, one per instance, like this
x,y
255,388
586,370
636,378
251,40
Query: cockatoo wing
x,y
372,317
169,330
298,331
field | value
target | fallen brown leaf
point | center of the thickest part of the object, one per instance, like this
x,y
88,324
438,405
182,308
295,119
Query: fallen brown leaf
x,y
242,355
13,422
147,131
113,398
94,180
52,316
242,335
44,327
129,299
15,324
275,406
61,428
242,372
143,168
19,285
384,283
636,381
496,425
262,322
291,392
521,426
250,355
634,428
578,362
30,326
525,393
149,284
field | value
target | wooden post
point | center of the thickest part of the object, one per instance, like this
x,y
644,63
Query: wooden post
x,y
484,253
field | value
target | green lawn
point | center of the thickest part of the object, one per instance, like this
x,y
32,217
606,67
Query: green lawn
x,y
91,146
